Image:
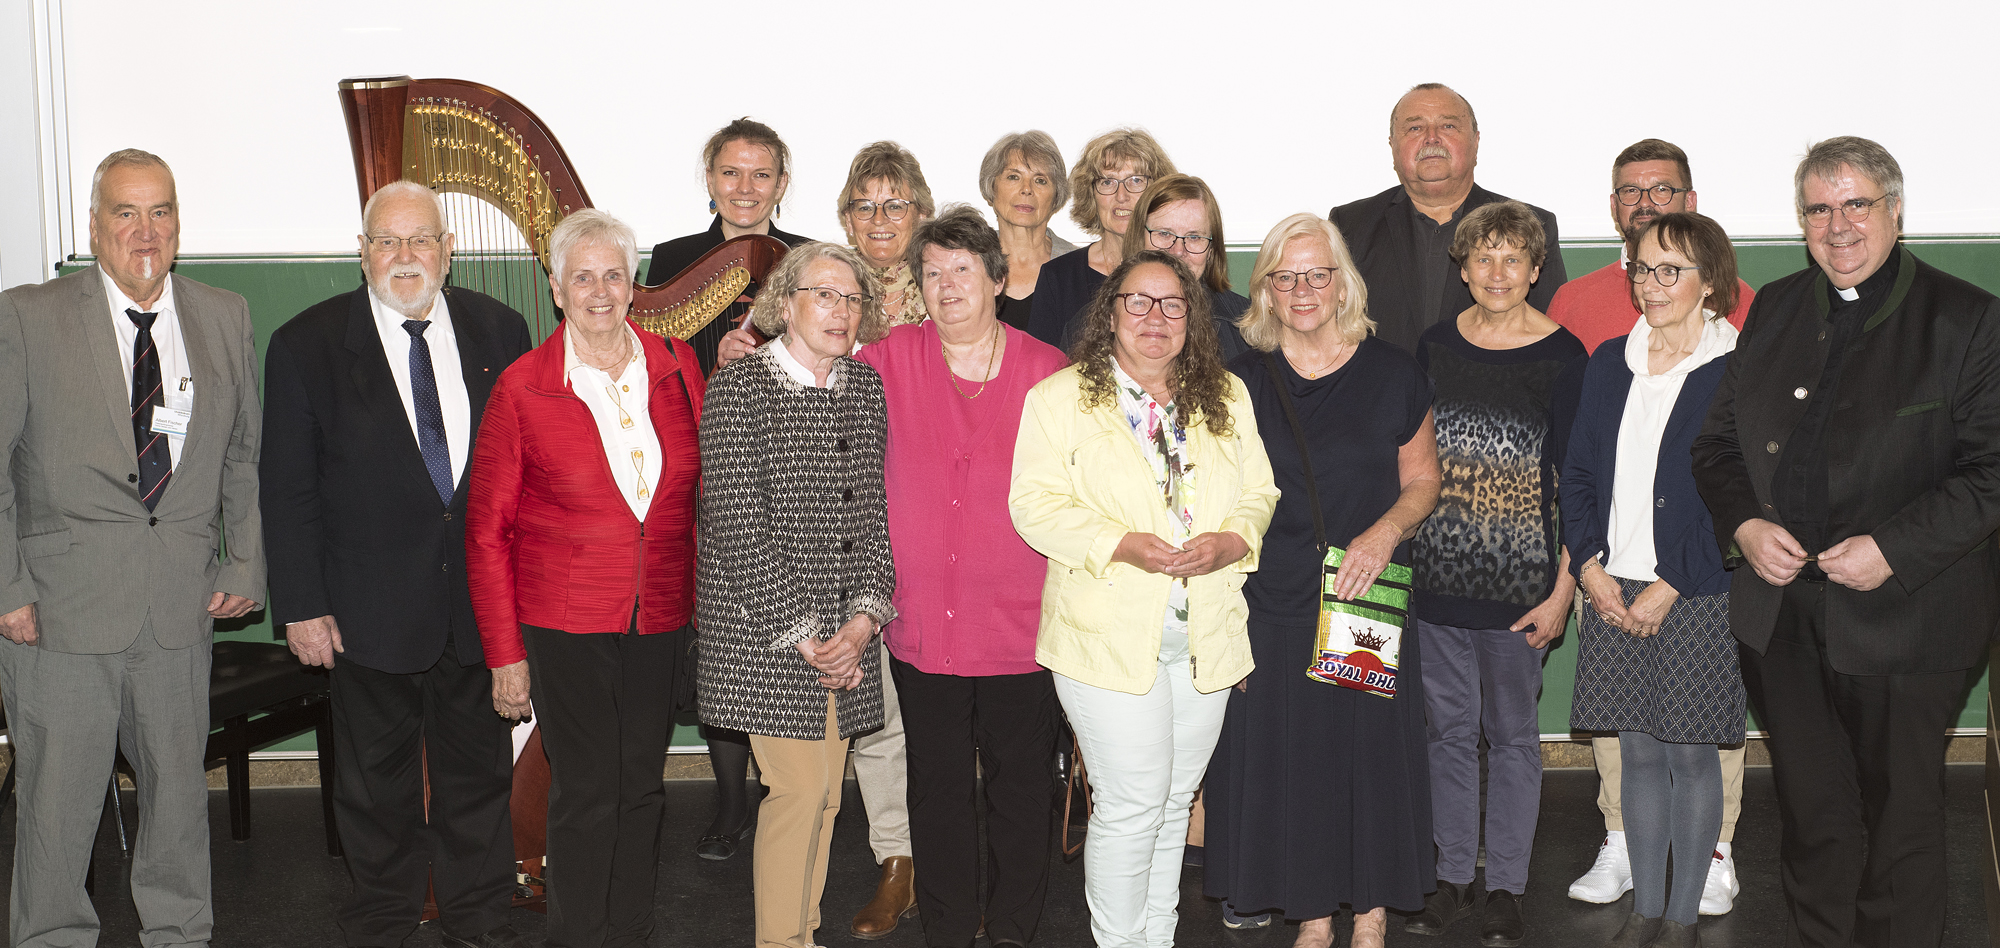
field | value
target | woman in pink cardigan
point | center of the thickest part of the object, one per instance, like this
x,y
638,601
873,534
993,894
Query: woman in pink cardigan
x,y
968,595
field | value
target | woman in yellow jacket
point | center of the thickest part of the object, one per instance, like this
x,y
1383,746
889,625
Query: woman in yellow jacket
x,y
1139,474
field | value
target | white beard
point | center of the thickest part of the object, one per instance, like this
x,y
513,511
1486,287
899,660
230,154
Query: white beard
x,y
413,305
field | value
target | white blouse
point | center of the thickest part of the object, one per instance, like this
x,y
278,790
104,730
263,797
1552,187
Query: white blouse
x,y
621,408
1647,408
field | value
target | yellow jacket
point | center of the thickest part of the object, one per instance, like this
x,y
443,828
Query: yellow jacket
x,y
1080,484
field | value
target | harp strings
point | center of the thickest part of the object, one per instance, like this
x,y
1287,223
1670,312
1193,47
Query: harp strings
x,y
477,165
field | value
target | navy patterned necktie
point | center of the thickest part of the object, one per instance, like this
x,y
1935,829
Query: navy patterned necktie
x,y
430,417
156,460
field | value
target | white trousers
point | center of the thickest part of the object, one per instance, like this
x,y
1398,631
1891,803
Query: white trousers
x,y
881,769
1145,756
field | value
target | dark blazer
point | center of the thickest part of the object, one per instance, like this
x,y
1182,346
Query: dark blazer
x,y
1378,234
673,256
1913,459
351,518
1683,529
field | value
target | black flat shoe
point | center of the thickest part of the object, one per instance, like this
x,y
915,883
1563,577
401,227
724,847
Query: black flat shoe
x,y
1501,925
721,846
1637,932
1448,904
1675,935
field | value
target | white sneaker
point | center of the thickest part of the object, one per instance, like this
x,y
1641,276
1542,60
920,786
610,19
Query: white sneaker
x,y
1610,876
1718,892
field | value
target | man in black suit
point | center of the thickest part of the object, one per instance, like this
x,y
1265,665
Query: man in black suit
x,y
371,401
1852,460
1401,238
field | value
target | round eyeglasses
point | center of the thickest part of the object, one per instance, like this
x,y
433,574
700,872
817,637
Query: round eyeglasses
x,y
1135,184
1854,209
1284,280
1659,194
865,210
1139,304
1666,273
1165,240
826,298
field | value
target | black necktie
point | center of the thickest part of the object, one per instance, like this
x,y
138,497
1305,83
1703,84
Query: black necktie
x,y
156,462
430,417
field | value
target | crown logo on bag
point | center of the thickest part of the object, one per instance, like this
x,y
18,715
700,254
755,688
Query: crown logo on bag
x,y
1370,640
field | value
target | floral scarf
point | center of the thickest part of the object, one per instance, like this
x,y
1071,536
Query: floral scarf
x,y
1163,441
898,283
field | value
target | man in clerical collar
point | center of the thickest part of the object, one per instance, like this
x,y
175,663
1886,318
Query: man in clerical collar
x,y
1851,460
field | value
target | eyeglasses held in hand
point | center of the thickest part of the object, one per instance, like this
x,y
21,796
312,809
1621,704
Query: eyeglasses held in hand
x,y
1666,273
1284,280
1660,194
826,298
1164,240
1139,304
865,210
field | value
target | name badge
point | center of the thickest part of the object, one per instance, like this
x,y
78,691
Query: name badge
x,y
170,421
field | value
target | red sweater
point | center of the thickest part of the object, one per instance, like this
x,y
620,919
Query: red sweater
x,y
549,539
1598,305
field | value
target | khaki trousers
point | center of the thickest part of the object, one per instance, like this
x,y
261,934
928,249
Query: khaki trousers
x,y
795,831
1605,751
882,771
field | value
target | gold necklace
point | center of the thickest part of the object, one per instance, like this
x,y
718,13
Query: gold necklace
x,y
990,354
1316,372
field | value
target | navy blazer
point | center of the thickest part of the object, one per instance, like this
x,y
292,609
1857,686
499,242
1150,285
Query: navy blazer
x,y
1683,528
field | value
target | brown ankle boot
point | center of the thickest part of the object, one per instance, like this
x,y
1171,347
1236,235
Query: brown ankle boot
x,y
895,899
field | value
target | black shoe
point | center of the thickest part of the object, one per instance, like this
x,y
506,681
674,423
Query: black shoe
x,y
1448,904
1637,932
1501,925
1192,855
1675,935
720,846
503,937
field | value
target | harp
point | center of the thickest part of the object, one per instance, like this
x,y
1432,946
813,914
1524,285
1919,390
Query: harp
x,y
507,183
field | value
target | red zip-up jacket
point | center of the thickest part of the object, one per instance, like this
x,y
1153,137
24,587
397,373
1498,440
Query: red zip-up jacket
x,y
549,539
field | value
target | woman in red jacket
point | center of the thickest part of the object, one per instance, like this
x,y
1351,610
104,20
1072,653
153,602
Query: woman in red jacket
x,y
580,553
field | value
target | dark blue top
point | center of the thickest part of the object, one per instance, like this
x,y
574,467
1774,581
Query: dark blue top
x,y
1067,283
1683,529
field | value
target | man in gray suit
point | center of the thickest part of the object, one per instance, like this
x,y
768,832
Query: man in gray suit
x,y
129,524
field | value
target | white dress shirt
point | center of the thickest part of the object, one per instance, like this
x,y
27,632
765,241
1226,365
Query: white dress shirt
x,y
623,412
794,368
176,378
455,404
1648,407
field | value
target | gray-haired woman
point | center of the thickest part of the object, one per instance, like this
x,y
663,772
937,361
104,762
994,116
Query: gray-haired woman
x,y
794,575
1022,178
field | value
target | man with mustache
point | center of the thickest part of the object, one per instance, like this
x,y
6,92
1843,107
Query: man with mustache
x,y
1851,459
372,398
1401,238
128,525
1649,178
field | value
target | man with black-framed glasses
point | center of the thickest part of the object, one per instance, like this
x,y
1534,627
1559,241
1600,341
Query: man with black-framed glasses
x,y
1851,459
1401,238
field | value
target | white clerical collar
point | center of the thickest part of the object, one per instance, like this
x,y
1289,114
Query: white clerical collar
x,y
1849,294
794,368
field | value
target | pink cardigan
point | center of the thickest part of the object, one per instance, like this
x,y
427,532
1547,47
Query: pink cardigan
x,y
968,588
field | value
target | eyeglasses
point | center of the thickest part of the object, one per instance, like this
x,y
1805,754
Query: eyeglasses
x,y
865,210
1666,273
1284,280
422,243
1164,240
826,298
1135,184
1139,304
1854,209
1660,193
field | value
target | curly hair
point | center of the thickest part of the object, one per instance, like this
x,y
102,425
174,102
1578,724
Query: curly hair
x,y
772,314
1201,383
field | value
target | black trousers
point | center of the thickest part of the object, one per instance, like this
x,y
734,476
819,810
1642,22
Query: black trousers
x,y
384,727
1859,765
1008,724
605,703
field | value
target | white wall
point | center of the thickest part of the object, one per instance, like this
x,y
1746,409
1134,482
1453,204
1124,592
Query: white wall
x,y
1280,106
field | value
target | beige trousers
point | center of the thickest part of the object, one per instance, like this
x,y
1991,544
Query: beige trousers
x,y
882,770
795,831
1605,751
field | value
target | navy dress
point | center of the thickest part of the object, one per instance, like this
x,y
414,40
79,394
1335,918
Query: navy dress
x,y
1317,795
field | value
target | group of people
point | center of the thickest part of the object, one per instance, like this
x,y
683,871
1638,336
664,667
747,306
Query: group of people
x,y
1297,552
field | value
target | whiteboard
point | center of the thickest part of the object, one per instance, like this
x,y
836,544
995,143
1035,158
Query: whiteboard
x,y
1281,107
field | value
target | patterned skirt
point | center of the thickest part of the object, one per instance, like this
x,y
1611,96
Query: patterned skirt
x,y
1681,686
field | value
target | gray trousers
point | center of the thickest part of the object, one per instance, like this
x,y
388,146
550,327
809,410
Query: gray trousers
x,y
1483,682
67,716
881,770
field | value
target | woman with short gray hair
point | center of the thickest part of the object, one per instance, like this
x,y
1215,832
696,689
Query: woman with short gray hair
x,y
794,576
1022,178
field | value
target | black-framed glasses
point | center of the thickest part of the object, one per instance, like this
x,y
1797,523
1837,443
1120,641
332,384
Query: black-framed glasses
x,y
1661,194
1135,184
865,210
1666,273
422,243
1164,240
826,298
1284,280
1139,304
1854,209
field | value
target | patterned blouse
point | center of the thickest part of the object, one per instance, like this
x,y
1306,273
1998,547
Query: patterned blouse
x,y
1163,441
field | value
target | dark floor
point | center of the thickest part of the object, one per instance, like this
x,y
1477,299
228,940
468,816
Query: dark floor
x,y
279,887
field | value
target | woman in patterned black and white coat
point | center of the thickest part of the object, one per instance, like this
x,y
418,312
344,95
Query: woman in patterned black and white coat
x,y
793,572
